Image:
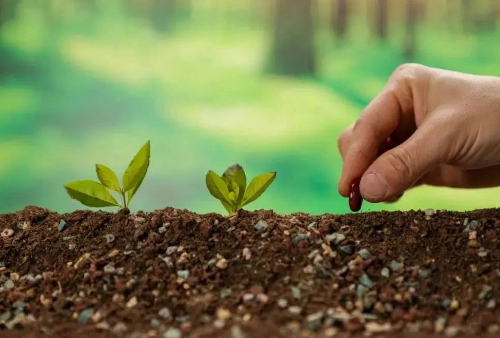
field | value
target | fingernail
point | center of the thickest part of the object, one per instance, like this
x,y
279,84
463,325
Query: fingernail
x,y
374,186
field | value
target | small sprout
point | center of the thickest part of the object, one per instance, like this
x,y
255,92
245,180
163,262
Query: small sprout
x,y
231,188
95,194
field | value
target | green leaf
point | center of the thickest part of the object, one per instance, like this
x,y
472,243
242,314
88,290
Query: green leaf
x,y
107,177
236,180
218,189
136,171
90,193
257,187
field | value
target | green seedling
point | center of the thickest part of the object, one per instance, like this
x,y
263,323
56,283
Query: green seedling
x,y
95,194
232,190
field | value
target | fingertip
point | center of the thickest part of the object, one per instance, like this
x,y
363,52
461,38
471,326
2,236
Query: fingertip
x,y
343,191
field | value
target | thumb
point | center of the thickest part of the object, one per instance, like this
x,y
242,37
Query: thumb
x,y
399,168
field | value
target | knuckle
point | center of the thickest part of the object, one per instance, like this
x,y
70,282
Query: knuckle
x,y
406,72
400,160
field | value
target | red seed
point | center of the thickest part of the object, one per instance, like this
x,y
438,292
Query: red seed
x,y
355,199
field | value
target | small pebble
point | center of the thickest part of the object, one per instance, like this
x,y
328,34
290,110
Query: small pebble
x,y
314,320
262,298
395,266
184,274
84,316
114,253
219,323
385,273
183,319
247,254
362,290
109,269
222,264
62,225
71,246
247,297
236,332
429,212
309,270
451,331
311,226
482,253
9,284
165,313
7,233
454,304
295,310
471,226
119,329
5,316
261,225
440,324
282,303
223,314
171,250
365,254
336,238
300,237
374,327
347,249
110,238
172,332
225,293
296,293
23,225
424,273
366,281
131,303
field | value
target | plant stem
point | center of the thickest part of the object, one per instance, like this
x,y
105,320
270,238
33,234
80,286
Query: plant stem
x,y
124,199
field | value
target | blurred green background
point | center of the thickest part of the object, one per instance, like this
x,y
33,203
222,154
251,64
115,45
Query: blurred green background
x,y
268,84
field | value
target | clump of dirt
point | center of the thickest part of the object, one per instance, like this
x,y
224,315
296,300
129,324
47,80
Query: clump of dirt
x,y
173,273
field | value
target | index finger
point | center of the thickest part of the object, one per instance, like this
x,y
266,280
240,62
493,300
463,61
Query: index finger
x,y
379,120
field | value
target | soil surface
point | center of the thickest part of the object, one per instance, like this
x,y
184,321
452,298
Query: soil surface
x,y
173,273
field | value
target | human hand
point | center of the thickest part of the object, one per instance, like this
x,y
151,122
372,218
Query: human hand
x,y
444,130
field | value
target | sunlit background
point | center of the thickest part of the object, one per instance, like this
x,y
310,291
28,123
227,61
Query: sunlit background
x,y
267,84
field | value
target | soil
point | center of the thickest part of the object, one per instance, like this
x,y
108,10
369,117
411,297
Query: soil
x,y
173,273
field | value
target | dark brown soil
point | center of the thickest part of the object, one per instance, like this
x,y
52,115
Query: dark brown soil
x,y
173,273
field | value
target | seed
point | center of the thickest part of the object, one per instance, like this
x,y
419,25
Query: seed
x,y
355,199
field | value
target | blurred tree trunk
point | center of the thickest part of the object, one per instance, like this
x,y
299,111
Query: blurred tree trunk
x,y
411,29
7,10
162,14
466,15
381,19
292,51
339,18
